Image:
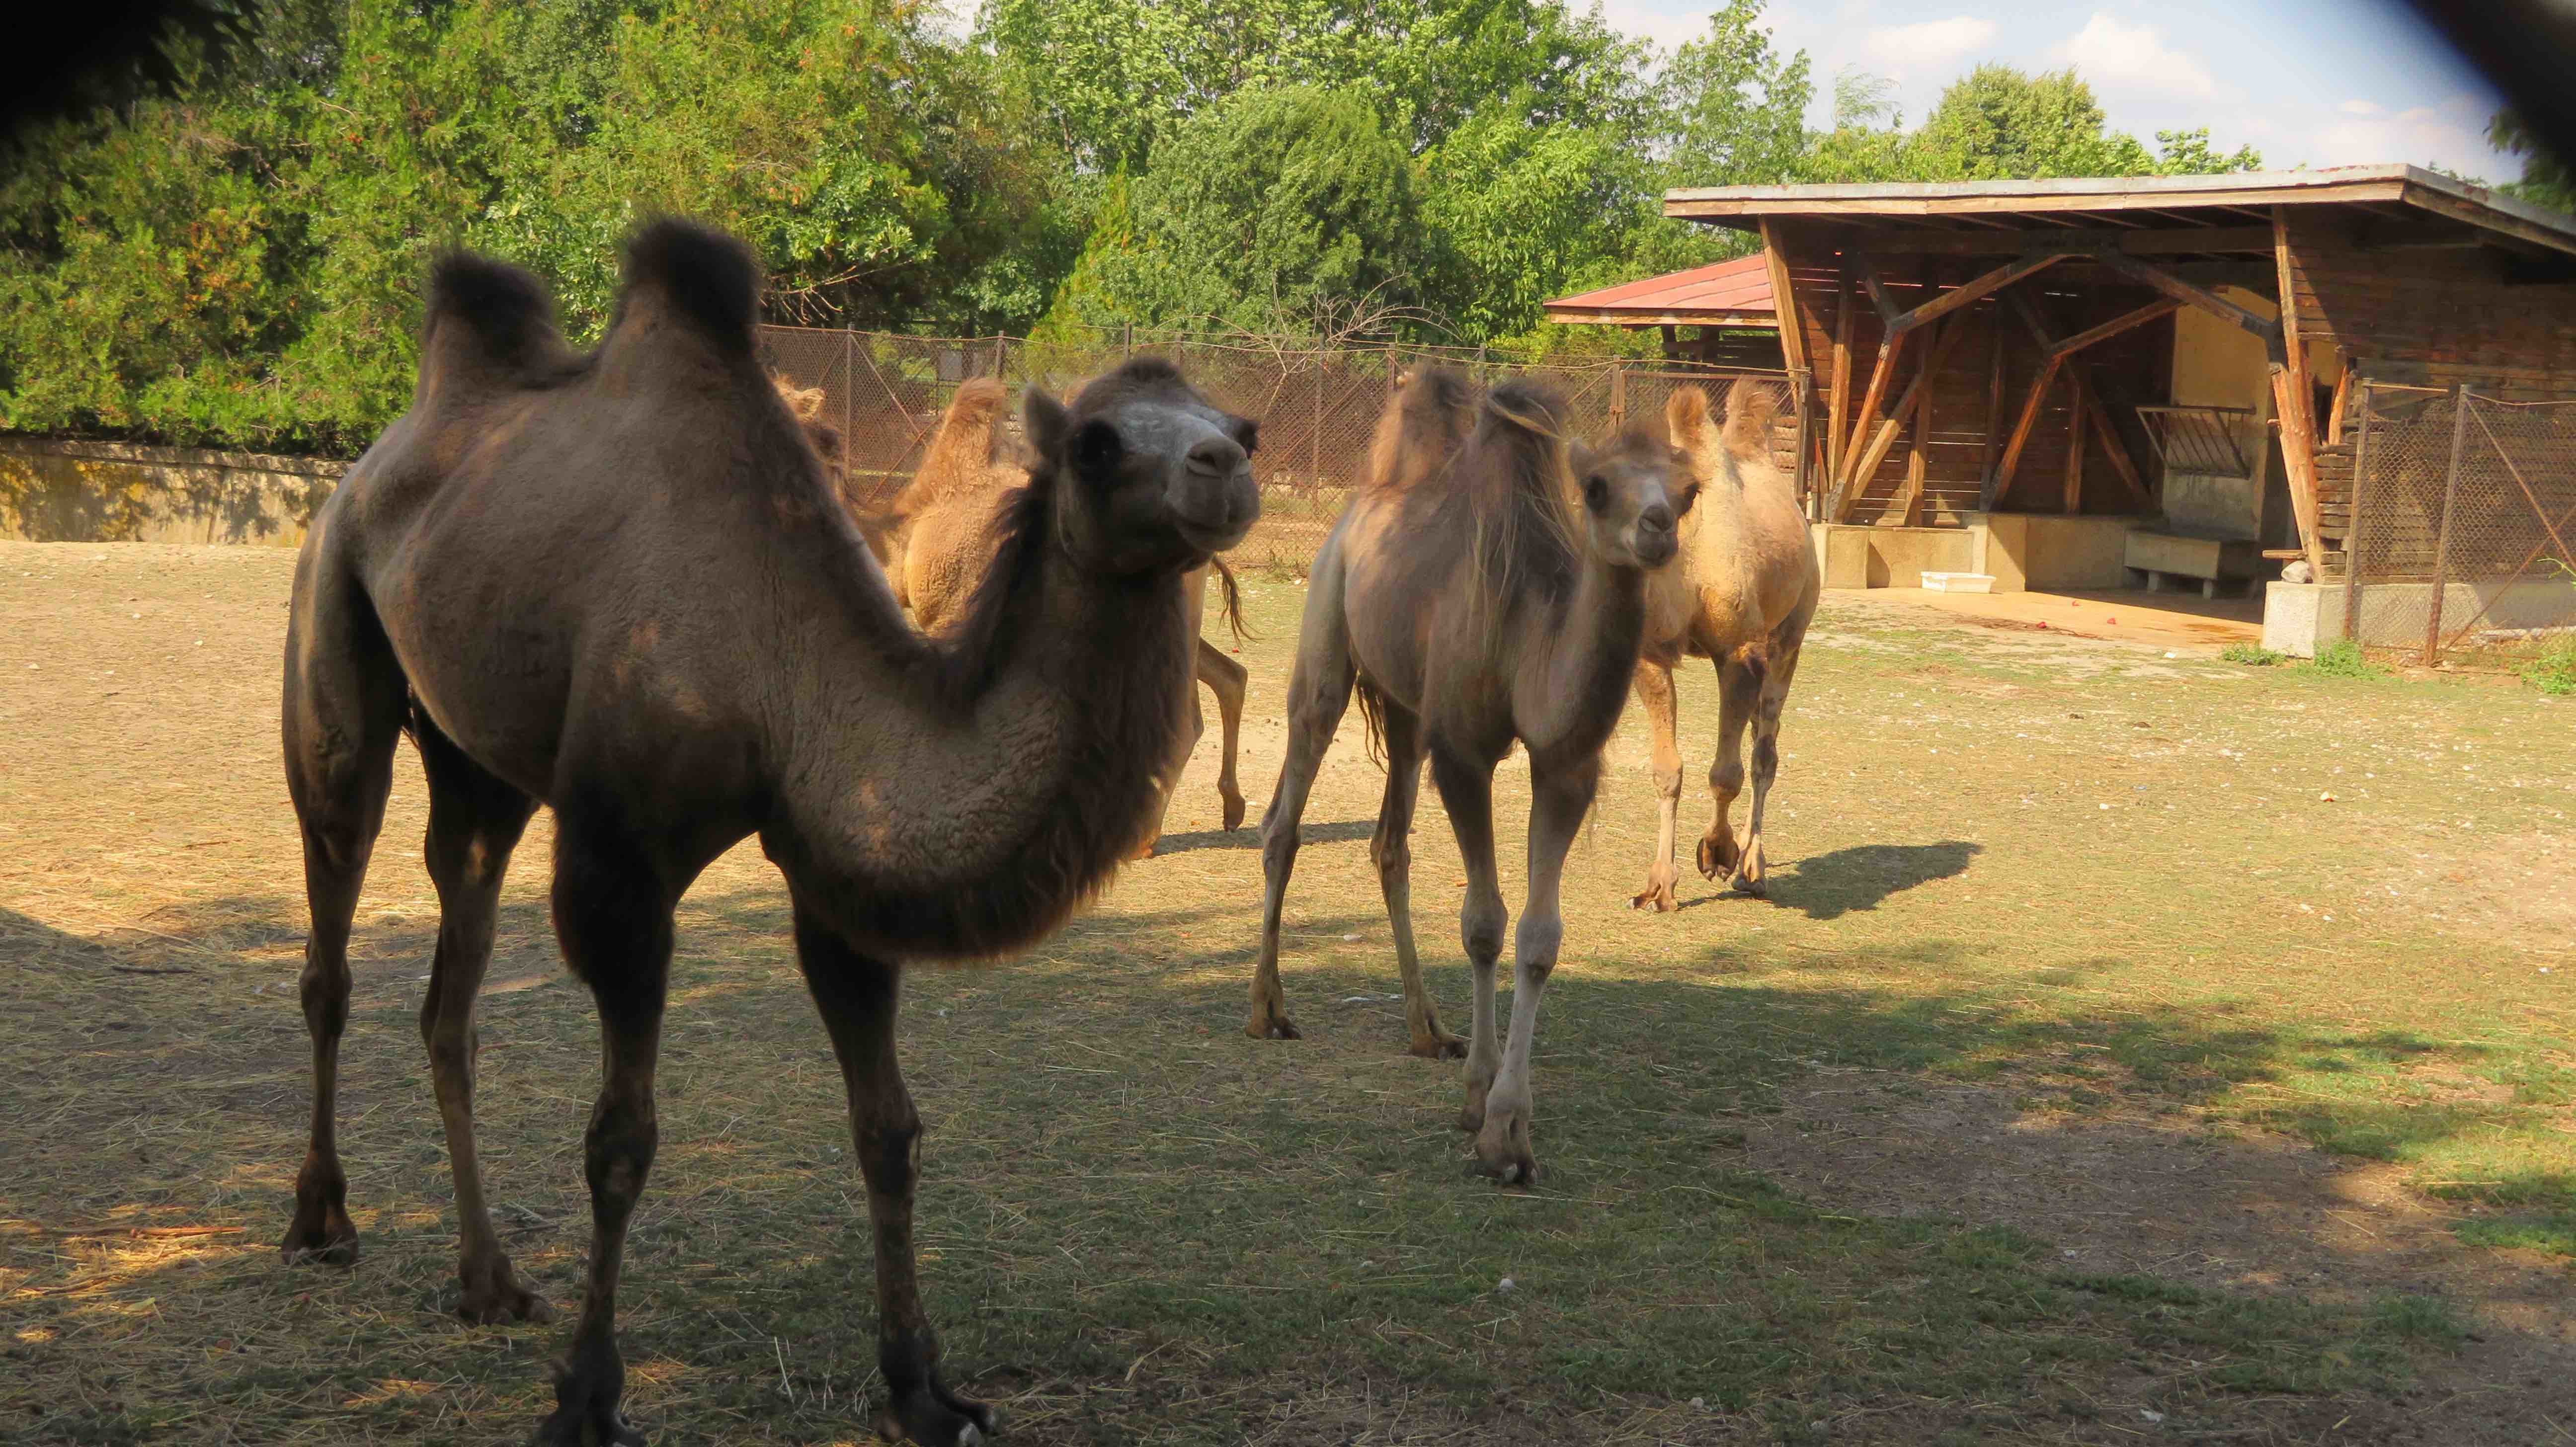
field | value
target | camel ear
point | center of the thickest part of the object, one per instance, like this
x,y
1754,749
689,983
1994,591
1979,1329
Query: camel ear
x,y
1686,418
1046,422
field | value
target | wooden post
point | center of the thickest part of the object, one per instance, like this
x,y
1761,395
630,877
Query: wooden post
x,y
1838,405
2353,525
2075,442
2442,539
2298,405
1994,410
849,406
1784,301
1888,352
1315,439
2334,413
1917,464
1802,387
1618,394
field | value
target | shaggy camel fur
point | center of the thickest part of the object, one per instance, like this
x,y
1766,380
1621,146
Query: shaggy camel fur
x,y
1743,595
1485,586
617,584
944,517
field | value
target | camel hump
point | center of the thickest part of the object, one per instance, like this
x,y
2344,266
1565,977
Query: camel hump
x,y
699,276
487,324
1529,412
1751,406
963,450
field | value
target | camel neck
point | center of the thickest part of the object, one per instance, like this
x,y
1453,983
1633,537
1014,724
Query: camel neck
x,y
930,821
1572,700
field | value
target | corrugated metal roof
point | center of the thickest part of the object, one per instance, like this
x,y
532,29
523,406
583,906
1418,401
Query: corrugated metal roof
x,y
1731,293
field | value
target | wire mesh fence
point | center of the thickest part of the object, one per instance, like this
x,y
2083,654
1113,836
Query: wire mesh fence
x,y
1317,407
2462,506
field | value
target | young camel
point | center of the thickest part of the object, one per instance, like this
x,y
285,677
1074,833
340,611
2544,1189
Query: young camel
x,y
725,660
878,526
1475,595
1743,595
944,521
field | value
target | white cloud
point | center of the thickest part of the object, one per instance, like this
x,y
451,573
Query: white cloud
x,y
2134,60
2358,108
1930,45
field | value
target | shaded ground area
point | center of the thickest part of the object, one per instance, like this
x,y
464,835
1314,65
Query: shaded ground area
x,y
2068,952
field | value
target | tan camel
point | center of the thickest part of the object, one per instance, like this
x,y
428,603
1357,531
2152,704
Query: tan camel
x,y
1485,586
877,524
617,584
1743,595
943,521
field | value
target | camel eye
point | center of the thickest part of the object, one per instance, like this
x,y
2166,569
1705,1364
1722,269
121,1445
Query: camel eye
x,y
1247,435
1690,495
1596,492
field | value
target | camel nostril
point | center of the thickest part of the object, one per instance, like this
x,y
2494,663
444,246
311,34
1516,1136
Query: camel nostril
x,y
1656,519
1216,457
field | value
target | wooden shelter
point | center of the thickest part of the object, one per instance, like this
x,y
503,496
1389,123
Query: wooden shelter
x,y
1727,308
2176,352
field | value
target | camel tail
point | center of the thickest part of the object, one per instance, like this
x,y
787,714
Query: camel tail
x,y
487,326
1373,715
696,275
1229,599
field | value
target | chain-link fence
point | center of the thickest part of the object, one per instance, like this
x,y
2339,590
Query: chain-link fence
x,y
2462,507
885,393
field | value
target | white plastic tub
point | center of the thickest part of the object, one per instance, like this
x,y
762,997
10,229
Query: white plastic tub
x,y
1958,582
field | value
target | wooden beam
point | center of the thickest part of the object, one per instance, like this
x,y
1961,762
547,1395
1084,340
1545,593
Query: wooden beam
x,y
2298,404
1784,301
1888,353
2030,409
1866,463
1994,411
1887,309
2492,220
2181,241
2116,448
2087,195
2190,295
1594,316
2125,321
1993,281
2074,502
1838,398
2342,393
1916,463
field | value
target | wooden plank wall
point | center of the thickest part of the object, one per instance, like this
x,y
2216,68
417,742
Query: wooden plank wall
x,y
2134,369
2432,318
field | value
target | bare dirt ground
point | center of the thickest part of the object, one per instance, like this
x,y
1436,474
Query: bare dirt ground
x,y
2133,1048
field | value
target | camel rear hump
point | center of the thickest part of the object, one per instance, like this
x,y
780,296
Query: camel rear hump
x,y
693,276
488,326
964,449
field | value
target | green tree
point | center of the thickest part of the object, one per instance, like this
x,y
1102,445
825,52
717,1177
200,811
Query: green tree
x,y
2545,180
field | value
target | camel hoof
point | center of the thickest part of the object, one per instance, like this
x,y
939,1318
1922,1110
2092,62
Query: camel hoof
x,y
933,1416
1503,1150
1471,1116
1272,1027
1233,812
1717,856
1657,897
498,1299
586,1412
332,1241
1748,884
1440,1046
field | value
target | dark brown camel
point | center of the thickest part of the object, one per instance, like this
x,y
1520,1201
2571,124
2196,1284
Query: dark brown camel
x,y
1485,586
942,544
617,584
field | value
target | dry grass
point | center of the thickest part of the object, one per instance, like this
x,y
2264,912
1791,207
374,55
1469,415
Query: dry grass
x,y
1141,1226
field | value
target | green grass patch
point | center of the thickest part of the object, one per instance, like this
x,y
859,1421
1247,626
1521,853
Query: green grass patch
x,y
2253,655
2343,658
2553,672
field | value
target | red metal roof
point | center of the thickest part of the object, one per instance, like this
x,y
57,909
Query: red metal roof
x,y
1731,293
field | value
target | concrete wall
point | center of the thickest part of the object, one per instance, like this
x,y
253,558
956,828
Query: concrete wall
x,y
101,492
2300,618
2207,505
2033,550
1857,556
2217,363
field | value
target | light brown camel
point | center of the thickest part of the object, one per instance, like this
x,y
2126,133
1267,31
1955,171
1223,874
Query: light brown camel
x,y
1742,595
1486,585
617,584
943,517
877,524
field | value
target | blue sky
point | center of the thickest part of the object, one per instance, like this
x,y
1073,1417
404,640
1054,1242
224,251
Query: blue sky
x,y
2306,82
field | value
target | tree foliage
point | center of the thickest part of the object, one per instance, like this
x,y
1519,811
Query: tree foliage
x,y
2545,179
234,256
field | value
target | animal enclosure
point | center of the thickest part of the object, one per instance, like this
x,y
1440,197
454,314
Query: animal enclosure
x,y
885,392
2020,1110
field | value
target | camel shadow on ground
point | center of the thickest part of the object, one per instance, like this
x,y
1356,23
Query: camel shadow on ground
x,y
1249,836
1828,886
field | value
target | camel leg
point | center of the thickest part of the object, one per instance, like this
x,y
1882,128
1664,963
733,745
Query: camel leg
x,y
1739,686
1467,794
1225,678
342,712
1319,691
1559,797
1391,849
1655,690
1750,869
1172,775
613,920
858,998
474,823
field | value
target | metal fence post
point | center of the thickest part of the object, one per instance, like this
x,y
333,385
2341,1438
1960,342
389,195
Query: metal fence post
x,y
2360,518
1315,439
2442,538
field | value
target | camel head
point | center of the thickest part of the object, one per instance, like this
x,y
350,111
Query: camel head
x,y
1146,473
1633,491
